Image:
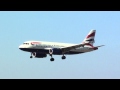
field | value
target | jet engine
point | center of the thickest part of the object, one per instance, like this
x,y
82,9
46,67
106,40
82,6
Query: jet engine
x,y
39,55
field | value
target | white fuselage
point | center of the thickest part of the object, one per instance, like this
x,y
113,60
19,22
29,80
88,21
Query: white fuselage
x,y
33,46
40,49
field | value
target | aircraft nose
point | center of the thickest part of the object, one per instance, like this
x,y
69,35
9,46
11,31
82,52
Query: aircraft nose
x,y
20,47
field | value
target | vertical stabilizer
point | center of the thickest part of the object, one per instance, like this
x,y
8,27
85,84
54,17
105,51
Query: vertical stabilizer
x,y
90,37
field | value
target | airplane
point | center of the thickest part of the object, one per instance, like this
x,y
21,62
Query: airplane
x,y
40,49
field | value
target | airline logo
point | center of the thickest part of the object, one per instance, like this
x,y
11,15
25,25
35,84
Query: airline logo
x,y
90,40
35,43
91,35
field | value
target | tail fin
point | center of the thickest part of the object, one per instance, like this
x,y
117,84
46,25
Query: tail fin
x,y
90,37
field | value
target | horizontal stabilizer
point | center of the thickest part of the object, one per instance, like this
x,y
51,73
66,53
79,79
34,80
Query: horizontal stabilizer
x,y
100,46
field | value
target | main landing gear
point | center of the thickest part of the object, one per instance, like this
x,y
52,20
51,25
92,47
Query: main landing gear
x,y
63,57
52,59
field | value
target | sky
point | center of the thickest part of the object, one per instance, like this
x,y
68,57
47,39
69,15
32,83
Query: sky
x,y
17,27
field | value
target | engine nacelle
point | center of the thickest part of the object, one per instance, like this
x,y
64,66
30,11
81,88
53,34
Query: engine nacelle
x,y
39,55
55,51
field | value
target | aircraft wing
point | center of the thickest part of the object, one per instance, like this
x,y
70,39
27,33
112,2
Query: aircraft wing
x,y
66,49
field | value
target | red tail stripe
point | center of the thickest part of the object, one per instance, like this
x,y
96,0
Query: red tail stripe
x,y
92,34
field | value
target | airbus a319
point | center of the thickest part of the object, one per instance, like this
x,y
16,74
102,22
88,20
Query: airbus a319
x,y
40,49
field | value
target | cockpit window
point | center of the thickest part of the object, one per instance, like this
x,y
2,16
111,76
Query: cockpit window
x,y
26,43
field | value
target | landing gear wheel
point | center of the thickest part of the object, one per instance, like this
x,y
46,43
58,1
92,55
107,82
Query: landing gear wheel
x,y
52,59
63,57
30,56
